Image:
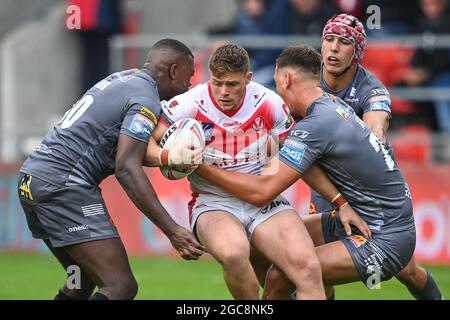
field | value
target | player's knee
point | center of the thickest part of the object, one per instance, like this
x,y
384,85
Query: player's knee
x,y
130,288
124,289
410,274
235,256
305,265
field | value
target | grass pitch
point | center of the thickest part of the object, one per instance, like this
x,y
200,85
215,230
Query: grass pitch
x,y
34,276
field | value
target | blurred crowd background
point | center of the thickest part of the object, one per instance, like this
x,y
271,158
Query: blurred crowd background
x,y
45,66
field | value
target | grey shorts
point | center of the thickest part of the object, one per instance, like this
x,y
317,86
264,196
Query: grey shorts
x,y
64,215
378,258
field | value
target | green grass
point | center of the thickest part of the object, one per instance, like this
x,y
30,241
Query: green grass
x,y
33,276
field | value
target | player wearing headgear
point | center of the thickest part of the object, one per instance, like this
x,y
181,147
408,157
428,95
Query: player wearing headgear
x,y
343,45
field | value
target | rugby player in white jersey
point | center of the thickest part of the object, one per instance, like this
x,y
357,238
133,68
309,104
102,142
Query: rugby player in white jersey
x,y
240,118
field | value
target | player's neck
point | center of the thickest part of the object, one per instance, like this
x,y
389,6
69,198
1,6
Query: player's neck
x,y
339,82
307,98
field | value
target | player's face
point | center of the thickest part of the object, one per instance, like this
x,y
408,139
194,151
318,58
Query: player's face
x,y
185,71
281,87
229,89
336,53
278,77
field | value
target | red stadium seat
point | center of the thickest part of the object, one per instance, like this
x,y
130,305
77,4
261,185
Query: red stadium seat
x,y
413,144
390,63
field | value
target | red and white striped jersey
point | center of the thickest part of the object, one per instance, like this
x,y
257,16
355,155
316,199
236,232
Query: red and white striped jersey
x,y
235,140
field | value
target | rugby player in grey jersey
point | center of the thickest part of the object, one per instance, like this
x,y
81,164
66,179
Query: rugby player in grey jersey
x,y
106,132
343,45
331,135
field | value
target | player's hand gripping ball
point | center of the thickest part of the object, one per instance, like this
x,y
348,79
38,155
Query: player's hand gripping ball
x,y
179,139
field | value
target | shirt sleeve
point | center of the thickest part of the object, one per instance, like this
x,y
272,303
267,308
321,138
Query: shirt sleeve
x,y
378,99
283,120
141,118
179,107
307,142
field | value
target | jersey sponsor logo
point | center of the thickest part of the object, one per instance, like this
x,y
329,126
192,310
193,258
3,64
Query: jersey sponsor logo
x,y
353,92
24,188
124,78
294,151
42,148
273,205
379,98
351,100
344,113
231,124
381,105
294,144
379,91
302,134
102,85
146,112
357,240
142,126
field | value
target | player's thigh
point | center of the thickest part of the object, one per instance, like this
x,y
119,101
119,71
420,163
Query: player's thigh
x,y
105,261
222,234
87,285
260,264
313,224
282,237
337,264
62,256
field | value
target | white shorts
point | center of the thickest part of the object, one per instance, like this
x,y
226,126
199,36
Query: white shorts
x,y
249,215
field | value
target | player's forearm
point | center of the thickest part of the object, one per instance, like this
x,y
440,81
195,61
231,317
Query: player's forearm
x,y
378,122
317,179
380,130
152,155
136,184
247,187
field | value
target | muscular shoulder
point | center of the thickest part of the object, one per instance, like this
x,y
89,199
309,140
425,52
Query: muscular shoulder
x,y
374,95
259,93
189,97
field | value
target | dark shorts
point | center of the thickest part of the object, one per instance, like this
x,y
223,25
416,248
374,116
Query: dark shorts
x,y
64,215
378,258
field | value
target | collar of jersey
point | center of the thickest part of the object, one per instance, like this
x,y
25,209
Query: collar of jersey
x,y
230,113
337,93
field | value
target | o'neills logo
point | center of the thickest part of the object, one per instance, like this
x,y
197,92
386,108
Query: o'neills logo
x,y
231,124
79,228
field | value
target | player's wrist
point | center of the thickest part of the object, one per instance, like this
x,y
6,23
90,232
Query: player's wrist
x,y
339,201
164,159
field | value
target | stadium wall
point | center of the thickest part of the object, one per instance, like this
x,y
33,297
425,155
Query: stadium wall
x,y
429,184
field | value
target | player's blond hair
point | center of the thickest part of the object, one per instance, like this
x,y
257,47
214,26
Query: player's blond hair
x,y
229,58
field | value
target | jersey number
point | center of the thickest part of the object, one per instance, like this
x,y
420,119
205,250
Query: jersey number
x,y
76,111
378,145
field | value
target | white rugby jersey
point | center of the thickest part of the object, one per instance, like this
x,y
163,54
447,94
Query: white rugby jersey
x,y
235,140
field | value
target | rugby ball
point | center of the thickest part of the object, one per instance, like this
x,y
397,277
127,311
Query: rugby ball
x,y
185,131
